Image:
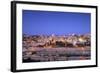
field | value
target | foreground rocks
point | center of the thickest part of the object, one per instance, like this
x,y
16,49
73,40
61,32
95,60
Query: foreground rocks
x,y
36,54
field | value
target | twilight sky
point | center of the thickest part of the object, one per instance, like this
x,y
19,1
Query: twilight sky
x,y
59,23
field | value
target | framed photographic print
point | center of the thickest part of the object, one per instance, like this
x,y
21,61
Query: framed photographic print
x,y
47,36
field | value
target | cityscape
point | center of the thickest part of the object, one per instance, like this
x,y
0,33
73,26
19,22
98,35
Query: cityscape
x,y
55,36
42,48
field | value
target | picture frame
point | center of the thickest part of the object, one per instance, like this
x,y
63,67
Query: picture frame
x,y
26,14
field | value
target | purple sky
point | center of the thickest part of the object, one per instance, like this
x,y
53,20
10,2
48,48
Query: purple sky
x,y
59,23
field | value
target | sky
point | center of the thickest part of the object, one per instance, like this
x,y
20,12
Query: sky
x,y
59,23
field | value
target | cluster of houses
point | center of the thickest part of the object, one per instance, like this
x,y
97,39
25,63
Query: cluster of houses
x,y
41,48
53,41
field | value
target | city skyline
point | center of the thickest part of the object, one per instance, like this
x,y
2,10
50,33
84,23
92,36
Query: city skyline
x,y
58,23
